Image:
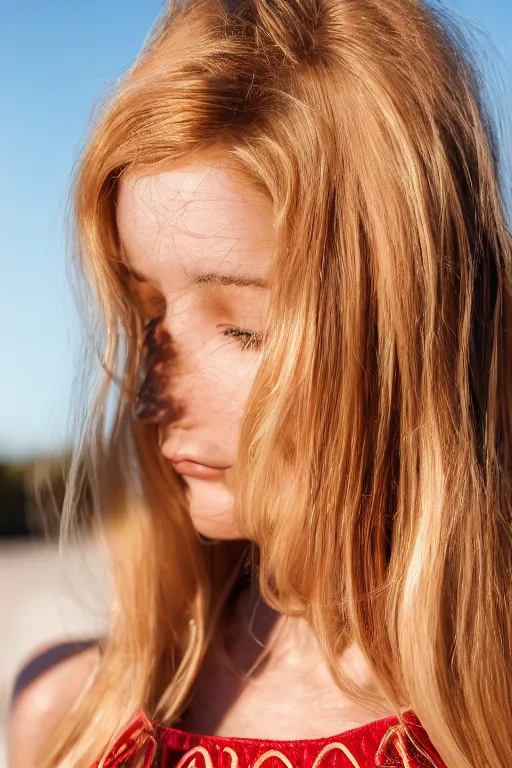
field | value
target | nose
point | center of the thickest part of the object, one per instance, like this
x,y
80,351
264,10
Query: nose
x,y
153,403
149,407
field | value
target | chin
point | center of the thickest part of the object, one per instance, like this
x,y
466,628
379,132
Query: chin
x,y
211,507
214,529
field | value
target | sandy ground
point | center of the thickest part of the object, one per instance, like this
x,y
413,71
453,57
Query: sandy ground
x,y
45,597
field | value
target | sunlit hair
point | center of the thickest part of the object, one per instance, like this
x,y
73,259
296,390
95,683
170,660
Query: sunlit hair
x,y
374,464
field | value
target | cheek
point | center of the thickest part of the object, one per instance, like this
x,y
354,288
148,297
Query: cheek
x,y
234,380
223,395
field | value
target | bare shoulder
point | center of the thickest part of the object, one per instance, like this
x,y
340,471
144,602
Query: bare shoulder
x,y
46,686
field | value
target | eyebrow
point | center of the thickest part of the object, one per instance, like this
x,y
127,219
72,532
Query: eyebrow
x,y
216,278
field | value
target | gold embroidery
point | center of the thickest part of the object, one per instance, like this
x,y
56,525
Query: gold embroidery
x,y
336,745
186,762
272,753
233,755
196,750
395,736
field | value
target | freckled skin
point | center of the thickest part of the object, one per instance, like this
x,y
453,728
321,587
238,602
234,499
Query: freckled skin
x,y
176,227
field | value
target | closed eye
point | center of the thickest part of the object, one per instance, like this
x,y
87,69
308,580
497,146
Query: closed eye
x,y
247,340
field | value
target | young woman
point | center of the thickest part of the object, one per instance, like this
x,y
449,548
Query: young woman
x,y
290,218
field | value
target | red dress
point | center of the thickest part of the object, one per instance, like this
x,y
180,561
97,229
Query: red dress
x,y
380,744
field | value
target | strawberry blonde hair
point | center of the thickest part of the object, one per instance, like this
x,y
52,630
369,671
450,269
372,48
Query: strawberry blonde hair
x,y
374,468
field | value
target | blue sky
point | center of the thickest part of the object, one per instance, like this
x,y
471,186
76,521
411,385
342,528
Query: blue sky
x,y
56,58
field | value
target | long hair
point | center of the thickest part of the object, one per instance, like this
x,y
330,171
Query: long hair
x,y
374,466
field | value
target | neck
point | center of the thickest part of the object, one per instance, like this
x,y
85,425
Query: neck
x,y
268,678
268,675
257,632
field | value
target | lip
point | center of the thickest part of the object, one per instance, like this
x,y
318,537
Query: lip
x,y
187,466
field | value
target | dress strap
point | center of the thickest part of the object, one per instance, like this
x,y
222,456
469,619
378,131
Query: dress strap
x,y
48,659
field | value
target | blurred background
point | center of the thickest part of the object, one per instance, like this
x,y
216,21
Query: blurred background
x,y
56,61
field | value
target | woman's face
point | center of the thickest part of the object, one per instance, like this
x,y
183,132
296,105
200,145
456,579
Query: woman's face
x,y
198,245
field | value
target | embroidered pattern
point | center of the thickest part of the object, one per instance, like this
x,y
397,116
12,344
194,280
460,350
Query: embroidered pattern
x,y
397,750
138,739
139,746
188,760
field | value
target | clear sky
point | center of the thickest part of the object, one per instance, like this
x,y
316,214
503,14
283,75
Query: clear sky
x,y
56,58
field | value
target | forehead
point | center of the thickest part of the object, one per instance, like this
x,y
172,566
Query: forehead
x,y
193,219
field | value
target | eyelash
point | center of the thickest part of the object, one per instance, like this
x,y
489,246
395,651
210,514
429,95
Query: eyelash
x,y
249,340
246,340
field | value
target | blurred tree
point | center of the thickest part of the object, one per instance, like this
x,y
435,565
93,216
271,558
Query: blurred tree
x,y
45,488
13,522
32,495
